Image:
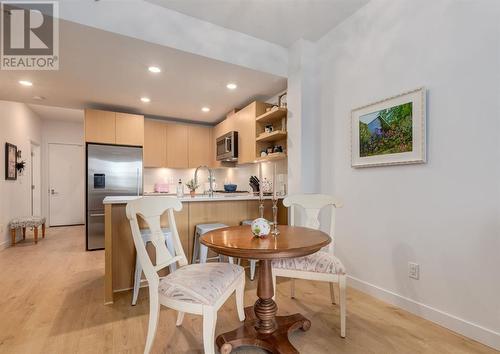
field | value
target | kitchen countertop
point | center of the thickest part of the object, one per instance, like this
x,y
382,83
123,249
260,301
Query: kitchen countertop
x,y
222,197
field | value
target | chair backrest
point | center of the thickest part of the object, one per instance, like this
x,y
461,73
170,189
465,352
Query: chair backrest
x,y
312,205
150,209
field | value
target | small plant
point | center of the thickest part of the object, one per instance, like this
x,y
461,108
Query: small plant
x,y
192,185
20,166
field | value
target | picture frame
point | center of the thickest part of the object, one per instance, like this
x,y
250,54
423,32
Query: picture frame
x,y
10,162
391,131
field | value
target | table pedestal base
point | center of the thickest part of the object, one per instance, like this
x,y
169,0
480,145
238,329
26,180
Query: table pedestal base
x,y
276,342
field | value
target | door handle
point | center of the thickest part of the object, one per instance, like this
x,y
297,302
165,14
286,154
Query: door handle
x,y
53,191
96,215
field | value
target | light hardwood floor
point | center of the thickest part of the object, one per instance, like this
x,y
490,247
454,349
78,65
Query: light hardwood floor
x,y
52,302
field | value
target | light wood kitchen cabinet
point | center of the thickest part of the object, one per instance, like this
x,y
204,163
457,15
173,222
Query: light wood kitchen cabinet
x,y
100,126
113,128
129,129
155,143
199,145
177,145
245,125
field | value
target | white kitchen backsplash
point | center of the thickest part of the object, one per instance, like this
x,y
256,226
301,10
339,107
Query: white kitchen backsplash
x,y
235,175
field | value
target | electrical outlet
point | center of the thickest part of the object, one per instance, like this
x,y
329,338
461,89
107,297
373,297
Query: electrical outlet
x,y
413,270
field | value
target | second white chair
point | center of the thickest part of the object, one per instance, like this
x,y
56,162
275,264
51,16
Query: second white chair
x,y
199,289
322,265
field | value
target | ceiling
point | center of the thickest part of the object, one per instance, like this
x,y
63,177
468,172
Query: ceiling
x,y
100,69
279,21
57,113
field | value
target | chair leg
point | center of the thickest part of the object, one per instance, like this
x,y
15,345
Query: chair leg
x,y
332,293
137,281
209,321
154,314
24,233
253,262
203,253
43,230
35,230
196,249
180,318
240,294
342,293
13,236
292,288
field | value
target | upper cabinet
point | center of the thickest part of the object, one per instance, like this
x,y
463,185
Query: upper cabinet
x,y
129,129
199,145
177,145
100,126
155,143
113,128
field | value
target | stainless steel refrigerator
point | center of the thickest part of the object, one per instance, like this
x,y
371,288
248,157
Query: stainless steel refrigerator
x,y
111,171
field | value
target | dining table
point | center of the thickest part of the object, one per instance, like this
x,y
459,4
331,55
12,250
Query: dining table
x,y
262,328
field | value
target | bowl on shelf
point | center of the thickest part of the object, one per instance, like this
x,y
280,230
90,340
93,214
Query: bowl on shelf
x,y
230,187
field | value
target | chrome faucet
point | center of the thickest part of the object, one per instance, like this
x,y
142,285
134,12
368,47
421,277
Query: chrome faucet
x,y
210,178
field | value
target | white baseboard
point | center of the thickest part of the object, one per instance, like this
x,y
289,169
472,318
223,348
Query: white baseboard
x,y
451,322
4,245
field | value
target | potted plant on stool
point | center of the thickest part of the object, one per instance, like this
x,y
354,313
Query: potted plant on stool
x,y
192,185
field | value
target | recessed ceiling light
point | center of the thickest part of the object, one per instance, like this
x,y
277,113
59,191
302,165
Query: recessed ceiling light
x,y
26,83
145,99
205,109
38,98
231,86
154,69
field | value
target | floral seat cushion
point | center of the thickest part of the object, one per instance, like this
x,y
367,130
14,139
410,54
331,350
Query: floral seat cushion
x,y
319,262
199,283
28,221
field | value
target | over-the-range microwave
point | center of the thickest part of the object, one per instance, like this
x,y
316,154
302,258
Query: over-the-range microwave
x,y
227,147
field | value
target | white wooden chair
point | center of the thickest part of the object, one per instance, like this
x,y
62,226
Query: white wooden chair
x,y
197,288
322,265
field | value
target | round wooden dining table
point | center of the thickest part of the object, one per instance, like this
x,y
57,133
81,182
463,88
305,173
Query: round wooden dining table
x,y
262,328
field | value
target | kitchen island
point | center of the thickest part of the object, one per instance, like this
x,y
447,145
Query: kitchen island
x,y
120,252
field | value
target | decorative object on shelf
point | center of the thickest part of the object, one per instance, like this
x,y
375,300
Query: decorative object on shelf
x,y
270,149
192,185
263,153
268,128
260,227
390,131
10,162
230,187
282,100
278,148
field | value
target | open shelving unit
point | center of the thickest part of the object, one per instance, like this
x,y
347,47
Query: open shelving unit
x,y
277,118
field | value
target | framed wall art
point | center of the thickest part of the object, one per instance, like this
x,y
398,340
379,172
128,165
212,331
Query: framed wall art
x,y
390,132
10,162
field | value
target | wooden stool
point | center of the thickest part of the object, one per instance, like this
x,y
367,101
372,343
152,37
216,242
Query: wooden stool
x,y
23,223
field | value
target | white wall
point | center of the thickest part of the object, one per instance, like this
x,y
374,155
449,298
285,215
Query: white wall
x,y
18,126
59,132
444,215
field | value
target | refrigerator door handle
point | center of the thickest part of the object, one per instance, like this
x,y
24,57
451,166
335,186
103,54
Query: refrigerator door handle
x,y
138,182
96,215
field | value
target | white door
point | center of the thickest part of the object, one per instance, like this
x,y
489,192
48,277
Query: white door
x,y
66,184
36,196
